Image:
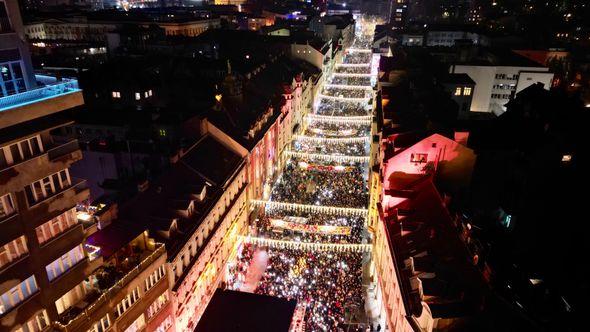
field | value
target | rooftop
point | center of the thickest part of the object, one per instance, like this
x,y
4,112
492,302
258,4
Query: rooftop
x,y
54,97
264,90
231,311
176,204
458,79
435,267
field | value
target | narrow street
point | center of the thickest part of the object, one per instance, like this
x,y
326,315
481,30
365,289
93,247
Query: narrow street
x,y
311,241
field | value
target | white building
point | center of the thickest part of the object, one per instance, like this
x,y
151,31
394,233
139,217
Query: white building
x,y
495,85
447,38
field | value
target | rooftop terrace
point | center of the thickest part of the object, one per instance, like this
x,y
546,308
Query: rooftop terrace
x,y
55,96
52,90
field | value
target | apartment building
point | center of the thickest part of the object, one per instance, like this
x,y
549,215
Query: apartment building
x,y
15,68
41,247
57,272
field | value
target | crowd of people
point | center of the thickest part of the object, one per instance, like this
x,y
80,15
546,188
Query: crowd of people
x,y
357,57
334,107
317,187
329,284
347,92
351,80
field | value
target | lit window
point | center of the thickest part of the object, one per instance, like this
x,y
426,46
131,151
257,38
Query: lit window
x,y
56,226
137,96
458,91
12,297
64,263
162,132
13,250
467,91
116,94
100,326
566,158
6,206
150,93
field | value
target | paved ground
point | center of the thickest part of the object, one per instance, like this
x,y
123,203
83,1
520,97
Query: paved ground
x,y
255,271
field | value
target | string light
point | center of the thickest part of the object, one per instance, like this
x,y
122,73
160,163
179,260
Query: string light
x,y
309,246
351,75
347,86
353,65
351,99
360,120
273,205
360,50
326,157
331,139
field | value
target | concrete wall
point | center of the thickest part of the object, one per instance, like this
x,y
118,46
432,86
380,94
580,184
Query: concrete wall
x,y
483,76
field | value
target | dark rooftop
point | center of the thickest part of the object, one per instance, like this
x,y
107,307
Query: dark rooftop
x,y
114,237
211,160
231,311
164,207
458,79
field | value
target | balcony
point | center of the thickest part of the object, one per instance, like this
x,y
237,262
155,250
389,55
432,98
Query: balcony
x,y
37,95
108,284
57,203
32,104
16,176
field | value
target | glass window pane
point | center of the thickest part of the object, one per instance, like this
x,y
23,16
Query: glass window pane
x,y
17,70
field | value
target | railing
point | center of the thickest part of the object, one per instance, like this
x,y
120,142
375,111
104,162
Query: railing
x,y
78,186
63,149
52,154
113,290
32,96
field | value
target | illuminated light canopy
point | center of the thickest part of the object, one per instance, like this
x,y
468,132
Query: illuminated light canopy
x,y
273,205
347,86
304,138
360,50
353,64
351,99
326,157
351,75
309,246
361,120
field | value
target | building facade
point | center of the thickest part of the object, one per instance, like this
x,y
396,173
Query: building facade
x,y
41,251
496,85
